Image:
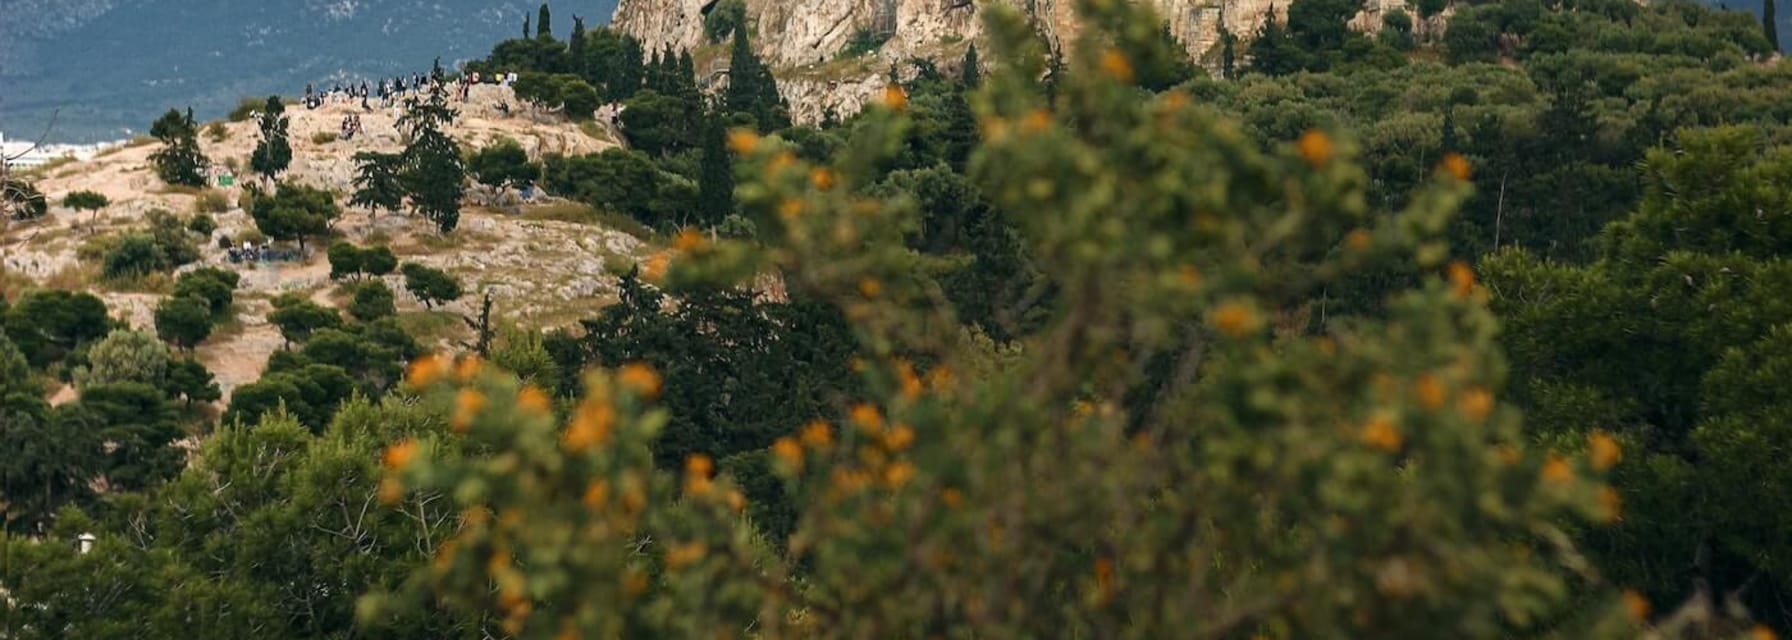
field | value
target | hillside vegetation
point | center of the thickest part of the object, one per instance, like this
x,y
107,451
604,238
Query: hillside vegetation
x,y
1414,334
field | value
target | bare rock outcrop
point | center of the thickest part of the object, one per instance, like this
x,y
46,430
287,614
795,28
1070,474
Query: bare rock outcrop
x,y
802,38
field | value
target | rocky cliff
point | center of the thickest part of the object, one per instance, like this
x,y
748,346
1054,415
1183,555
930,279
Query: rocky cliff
x,y
801,38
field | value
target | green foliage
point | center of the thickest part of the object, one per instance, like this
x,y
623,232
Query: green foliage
x,y
1670,339
371,301
190,381
217,287
625,181
125,356
53,455
724,18
544,23
377,182
179,161
752,91
862,42
715,177
273,153
431,286
48,325
579,99
294,213
184,322
202,223
1262,461
661,124
433,174
135,255
503,164
298,317
85,201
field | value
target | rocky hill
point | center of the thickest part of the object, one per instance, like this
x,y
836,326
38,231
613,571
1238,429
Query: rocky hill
x,y
113,65
542,271
802,38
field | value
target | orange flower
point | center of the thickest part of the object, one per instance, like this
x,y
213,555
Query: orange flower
x,y
898,474
696,474
400,454
1462,278
822,178
736,501
1190,276
1036,120
780,161
391,491
1115,64
788,450
1429,391
743,140
790,208
688,240
1603,450
467,405
1612,503
952,497
597,492
1761,632
426,369
1455,165
1475,404
1104,578
871,287
895,97
656,266
817,434
911,383
534,400
469,366
1315,147
641,378
590,426
899,437
1176,99
634,581
1636,604
685,553
1235,319
994,129
1556,469
1381,434
867,415
1357,239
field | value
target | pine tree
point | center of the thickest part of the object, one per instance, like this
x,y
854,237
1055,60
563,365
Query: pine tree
x,y
179,161
544,23
434,176
377,183
971,76
715,177
1770,23
1274,51
273,154
751,88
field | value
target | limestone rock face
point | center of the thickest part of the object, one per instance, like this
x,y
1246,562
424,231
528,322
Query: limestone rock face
x,y
801,38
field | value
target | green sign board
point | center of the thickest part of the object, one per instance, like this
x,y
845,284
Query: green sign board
x,y
226,180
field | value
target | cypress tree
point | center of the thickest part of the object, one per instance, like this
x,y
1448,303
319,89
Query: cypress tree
x,y
526,28
1769,22
628,70
274,153
971,76
1228,54
715,177
575,47
751,87
544,23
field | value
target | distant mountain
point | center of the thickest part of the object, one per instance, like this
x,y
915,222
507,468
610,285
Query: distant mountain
x,y
111,66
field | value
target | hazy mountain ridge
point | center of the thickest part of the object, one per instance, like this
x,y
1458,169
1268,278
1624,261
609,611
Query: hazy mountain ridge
x,y
111,65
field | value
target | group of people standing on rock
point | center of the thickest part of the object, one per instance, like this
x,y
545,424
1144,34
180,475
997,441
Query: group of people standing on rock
x,y
389,91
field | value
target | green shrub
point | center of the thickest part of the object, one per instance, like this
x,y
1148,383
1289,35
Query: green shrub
x,y
372,300
323,138
203,224
246,109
